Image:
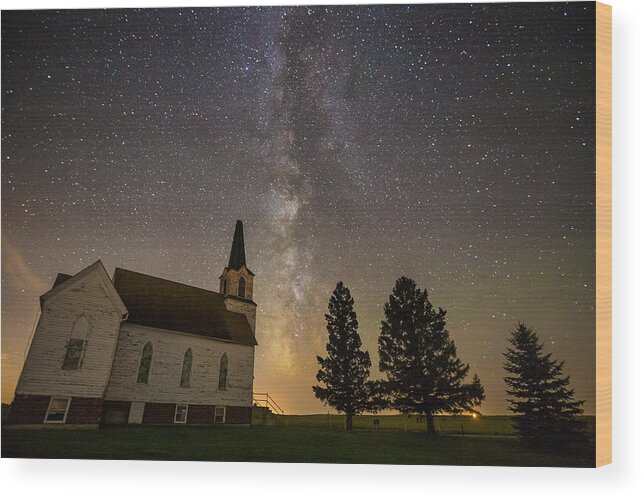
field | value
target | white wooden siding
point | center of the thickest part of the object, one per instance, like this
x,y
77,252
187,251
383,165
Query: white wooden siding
x,y
42,373
136,413
165,374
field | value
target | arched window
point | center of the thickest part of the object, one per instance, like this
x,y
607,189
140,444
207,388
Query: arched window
x,y
186,371
225,286
77,344
242,287
81,328
146,364
223,373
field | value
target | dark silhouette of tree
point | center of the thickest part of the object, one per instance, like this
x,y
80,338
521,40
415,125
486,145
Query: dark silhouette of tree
x,y
424,374
345,370
544,406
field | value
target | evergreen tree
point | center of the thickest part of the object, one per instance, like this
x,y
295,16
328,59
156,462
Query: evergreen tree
x,y
424,373
544,406
346,369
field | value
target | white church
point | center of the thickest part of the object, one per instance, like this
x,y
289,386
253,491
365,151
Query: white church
x,y
138,349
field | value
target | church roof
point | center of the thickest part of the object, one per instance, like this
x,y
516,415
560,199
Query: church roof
x,y
60,278
238,251
159,303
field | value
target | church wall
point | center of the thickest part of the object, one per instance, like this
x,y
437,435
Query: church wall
x,y
201,414
165,373
84,411
32,409
238,415
28,409
156,413
248,309
115,412
42,373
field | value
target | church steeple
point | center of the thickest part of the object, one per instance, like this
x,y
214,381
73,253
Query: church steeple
x,y
238,251
237,281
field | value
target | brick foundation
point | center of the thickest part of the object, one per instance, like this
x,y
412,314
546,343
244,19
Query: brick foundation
x,y
156,413
32,409
201,414
28,409
238,415
84,411
115,412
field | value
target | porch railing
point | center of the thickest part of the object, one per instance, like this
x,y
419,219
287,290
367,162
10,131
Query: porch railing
x,y
265,400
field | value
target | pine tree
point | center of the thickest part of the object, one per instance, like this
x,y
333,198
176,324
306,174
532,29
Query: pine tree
x,y
424,373
544,407
345,370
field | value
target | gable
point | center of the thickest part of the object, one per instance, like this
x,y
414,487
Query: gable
x,y
96,271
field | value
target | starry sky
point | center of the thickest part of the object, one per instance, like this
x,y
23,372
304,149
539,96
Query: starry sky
x,y
453,144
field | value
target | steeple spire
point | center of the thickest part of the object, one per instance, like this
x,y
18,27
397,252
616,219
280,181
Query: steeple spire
x,y
238,251
236,283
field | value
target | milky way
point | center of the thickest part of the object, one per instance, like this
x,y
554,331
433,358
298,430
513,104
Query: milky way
x,y
453,144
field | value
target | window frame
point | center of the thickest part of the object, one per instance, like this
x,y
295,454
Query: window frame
x,y
66,413
140,362
224,414
81,355
189,374
176,412
225,379
77,334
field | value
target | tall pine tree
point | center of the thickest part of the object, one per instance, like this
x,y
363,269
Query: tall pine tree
x,y
424,374
544,407
345,370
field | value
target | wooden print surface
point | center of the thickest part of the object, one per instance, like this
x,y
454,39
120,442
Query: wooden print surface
x,y
603,234
346,234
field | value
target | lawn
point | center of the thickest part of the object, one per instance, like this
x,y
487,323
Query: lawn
x,y
484,425
487,425
281,444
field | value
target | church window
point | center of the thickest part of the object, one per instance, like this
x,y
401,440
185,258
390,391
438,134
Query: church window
x,y
242,287
223,373
146,364
76,344
57,410
186,370
225,286
181,413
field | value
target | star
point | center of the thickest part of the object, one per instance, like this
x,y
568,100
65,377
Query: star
x,y
453,144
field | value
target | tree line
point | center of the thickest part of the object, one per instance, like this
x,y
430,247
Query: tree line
x,y
424,375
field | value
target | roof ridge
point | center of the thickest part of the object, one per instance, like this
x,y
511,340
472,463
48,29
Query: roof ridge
x,y
165,279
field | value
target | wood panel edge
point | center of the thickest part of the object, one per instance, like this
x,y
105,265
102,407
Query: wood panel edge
x,y
603,234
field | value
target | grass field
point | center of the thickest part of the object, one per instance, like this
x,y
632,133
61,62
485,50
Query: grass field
x,y
490,425
485,425
292,443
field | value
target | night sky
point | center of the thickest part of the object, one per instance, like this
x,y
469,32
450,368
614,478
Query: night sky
x,y
453,144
